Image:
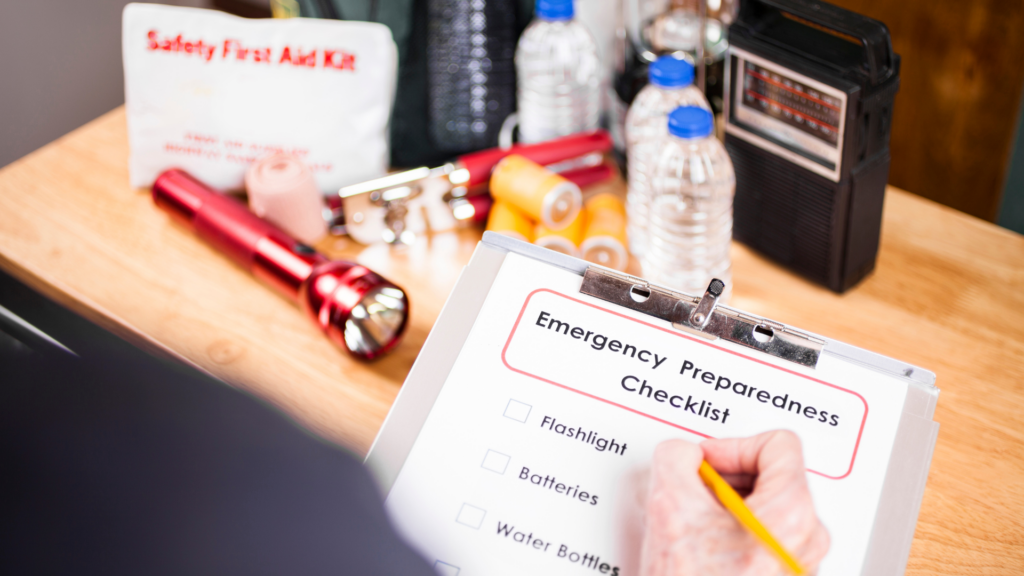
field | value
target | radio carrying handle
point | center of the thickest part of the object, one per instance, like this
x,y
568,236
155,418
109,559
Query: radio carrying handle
x,y
873,35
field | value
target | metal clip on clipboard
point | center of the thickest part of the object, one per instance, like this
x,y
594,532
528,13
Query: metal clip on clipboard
x,y
701,316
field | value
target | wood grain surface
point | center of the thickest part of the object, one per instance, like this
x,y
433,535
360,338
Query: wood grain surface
x,y
947,295
961,81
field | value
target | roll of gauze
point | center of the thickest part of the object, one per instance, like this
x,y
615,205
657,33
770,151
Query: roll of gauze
x,y
282,189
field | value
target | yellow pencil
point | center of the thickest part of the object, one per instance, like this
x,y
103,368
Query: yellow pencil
x,y
734,504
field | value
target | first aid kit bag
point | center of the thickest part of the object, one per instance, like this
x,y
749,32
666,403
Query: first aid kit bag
x,y
211,93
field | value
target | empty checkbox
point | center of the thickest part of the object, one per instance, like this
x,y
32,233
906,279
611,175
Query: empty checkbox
x,y
446,569
495,461
517,411
471,516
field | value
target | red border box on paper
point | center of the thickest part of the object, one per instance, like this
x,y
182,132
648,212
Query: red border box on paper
x,y
860,432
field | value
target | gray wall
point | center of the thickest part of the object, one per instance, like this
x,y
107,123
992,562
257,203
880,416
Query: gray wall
x,y
61,68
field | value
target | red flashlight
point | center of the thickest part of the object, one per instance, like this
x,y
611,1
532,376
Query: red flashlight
x,y
356,307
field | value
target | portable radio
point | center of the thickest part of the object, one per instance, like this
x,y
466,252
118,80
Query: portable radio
x,y
809,98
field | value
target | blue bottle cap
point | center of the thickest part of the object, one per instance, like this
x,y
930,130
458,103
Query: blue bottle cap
x,y
670,72
554,9
690,122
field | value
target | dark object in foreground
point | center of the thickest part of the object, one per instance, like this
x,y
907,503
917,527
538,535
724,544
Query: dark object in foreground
x,y
809,107
356,307
122,464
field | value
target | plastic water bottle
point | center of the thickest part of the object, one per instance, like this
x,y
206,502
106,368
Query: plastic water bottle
x,y
691,206
558,75
671,86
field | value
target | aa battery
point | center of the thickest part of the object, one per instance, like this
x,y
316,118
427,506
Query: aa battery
x,y
508,220
538,192
604,237
567,240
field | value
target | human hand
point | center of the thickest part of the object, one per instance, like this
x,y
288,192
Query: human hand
x,y
689,532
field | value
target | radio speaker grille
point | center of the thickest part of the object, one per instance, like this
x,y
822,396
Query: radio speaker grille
x,y
788,213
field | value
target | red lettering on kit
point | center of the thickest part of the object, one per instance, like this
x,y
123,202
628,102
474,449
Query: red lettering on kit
x,y
179,44
227,47
195,137
209,50
243,53
300,58
308,60
336,59
339,60
261,55
286,56
321,166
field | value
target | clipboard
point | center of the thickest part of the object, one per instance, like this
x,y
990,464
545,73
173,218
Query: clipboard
x,y
546,379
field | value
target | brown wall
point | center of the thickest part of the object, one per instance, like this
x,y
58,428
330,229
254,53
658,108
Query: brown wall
x,y
961,81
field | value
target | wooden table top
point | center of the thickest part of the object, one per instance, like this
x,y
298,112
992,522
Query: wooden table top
x,y
947,295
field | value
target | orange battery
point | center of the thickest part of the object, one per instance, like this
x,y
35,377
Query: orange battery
x,y
566,240
507,220
604,238
538,192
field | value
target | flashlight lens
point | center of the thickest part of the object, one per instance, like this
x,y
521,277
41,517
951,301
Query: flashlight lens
x,y
376,321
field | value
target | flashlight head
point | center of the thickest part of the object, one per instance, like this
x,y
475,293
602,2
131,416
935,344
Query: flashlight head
x,y
357,308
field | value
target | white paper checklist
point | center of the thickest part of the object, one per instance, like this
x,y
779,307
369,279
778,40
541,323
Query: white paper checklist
x,y
555,398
